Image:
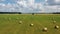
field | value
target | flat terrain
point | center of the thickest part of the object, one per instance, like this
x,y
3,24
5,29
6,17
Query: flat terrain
x,y
10,23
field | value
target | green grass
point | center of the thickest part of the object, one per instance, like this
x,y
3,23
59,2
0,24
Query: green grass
x,y
9,24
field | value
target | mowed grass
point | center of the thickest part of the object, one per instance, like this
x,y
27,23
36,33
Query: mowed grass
x,y
9,23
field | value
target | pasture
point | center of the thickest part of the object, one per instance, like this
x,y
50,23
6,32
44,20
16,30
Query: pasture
x,y
29,24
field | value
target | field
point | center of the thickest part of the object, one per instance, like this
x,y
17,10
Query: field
x,y
9,23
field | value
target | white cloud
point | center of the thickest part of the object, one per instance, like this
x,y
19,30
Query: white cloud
x,y
26,3
7,7
53,2
22,3
57,0
27,6
1,4
52,7
30,5
46,0
23,6
31,2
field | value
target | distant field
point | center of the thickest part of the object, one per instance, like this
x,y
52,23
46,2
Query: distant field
x,y
9,23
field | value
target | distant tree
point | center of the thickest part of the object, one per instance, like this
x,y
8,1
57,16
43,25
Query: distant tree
x,y
32,13
20,13
56,13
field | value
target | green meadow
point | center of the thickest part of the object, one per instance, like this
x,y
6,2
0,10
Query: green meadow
x,y
9,23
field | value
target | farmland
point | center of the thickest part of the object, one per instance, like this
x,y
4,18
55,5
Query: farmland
x,y
9,23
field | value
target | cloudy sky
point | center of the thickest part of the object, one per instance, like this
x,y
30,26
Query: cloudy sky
x,y
29,6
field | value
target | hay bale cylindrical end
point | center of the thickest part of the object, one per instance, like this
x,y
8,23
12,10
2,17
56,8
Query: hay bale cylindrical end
x,y
31,24
56,27
45,29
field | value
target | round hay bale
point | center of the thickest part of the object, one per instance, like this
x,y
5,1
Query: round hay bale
x,y
45,29
56,27
31,24
20,22
54,21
